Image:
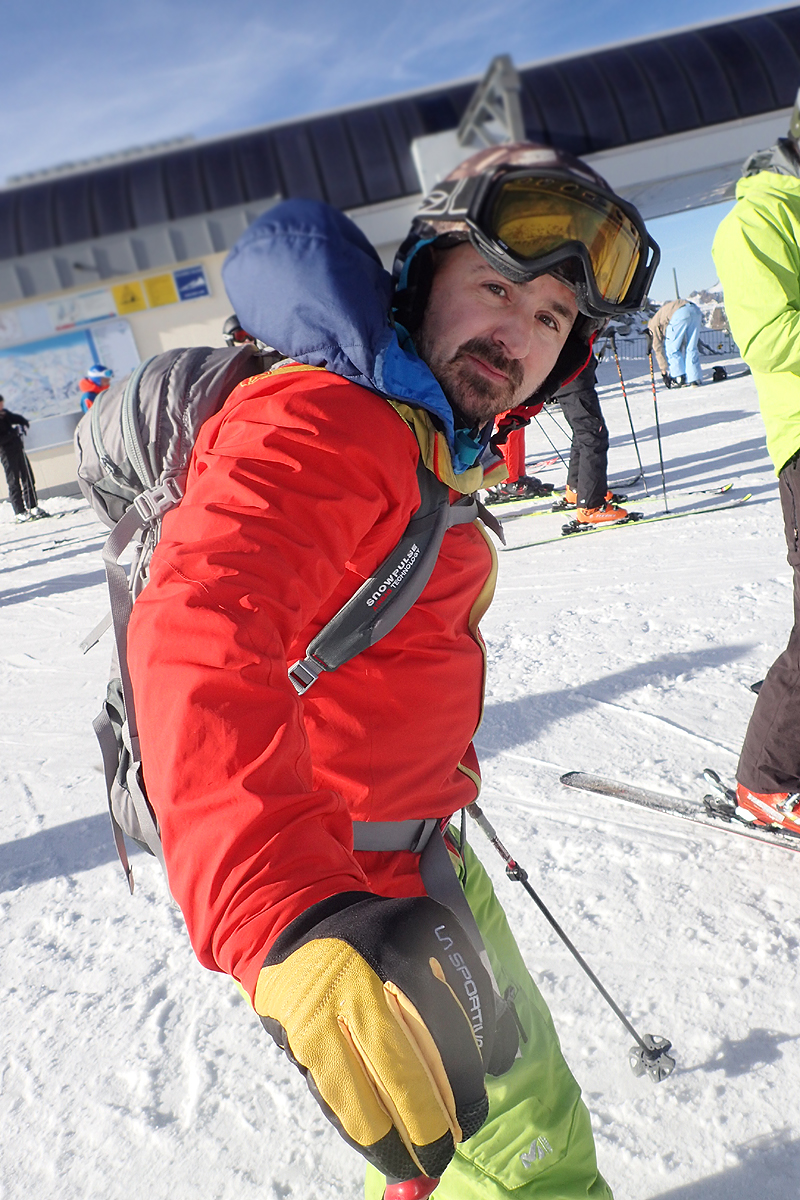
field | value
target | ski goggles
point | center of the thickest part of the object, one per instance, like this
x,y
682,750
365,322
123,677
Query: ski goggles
x,y
237,337
527,223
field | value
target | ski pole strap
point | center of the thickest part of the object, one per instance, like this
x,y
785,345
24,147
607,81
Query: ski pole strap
x,y
442,884
435,867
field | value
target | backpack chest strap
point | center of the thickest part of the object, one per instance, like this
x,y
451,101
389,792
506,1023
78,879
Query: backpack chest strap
x,y
393,835
395,586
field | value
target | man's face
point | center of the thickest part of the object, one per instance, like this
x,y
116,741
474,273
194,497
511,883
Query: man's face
x,y
489,342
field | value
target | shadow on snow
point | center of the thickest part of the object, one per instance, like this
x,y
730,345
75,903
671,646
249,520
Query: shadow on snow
x,y
769,1170
511,723
63,850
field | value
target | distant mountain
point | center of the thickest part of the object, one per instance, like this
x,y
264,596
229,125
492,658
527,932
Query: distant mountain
x,y
712,295
711,303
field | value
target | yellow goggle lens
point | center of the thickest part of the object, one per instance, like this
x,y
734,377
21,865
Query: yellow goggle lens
x,y
534,217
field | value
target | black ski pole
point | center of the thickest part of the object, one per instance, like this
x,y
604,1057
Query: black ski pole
x,y
612,337
555,420
552,443
658,429
649,1055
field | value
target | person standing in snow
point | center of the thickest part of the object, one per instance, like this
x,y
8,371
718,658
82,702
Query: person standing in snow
x,y
675,330
757,254
518,485
304,813
16,464
587,482
97,379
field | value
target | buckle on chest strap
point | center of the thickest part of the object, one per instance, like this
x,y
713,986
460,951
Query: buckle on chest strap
x,y
304,673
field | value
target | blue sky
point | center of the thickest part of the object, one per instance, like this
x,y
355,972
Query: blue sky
x,y
89,77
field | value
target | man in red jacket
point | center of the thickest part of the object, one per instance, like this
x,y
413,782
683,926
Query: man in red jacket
x,y
302,825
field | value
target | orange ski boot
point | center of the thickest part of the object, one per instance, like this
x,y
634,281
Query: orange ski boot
x,y
769,808
607,514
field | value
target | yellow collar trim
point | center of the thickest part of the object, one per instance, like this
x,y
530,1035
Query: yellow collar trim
x,y
435,451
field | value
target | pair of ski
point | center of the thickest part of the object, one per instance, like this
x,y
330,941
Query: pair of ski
x,y
717,811
637,519
658,497
633,518
508,513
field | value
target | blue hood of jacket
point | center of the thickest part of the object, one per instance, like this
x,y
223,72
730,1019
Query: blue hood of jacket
x,y
304,279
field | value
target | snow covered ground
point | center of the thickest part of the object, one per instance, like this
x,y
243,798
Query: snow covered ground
x,y
129,1073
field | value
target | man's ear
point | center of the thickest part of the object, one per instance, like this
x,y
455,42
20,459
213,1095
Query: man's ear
x,y
410,303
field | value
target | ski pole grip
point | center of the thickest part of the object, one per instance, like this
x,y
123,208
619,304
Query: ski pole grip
x,y
411,1189
483,822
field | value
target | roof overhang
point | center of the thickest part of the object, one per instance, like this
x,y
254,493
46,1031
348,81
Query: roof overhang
x,y
660,176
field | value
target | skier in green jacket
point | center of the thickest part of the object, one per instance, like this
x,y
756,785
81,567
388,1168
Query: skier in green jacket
x,y
757,254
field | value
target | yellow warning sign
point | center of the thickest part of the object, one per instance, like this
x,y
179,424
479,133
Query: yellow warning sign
x,y
161,290
129,297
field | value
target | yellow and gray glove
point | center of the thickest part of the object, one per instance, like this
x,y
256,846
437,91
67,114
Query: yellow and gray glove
x,y
385,1007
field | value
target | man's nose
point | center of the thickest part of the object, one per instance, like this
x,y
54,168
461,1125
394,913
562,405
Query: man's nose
x,y
513,332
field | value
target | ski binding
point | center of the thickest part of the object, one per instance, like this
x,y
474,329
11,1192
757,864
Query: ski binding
x,y
576,526
722,805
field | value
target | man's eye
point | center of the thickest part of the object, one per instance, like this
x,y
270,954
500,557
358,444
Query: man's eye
x,y
497,289
546,319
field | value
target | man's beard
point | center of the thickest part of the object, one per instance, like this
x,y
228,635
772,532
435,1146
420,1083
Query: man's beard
x,y
469,391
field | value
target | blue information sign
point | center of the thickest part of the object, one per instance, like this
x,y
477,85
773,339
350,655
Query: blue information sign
x,y
191,283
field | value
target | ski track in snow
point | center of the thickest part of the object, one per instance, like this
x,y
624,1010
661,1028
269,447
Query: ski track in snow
x,y
130,1073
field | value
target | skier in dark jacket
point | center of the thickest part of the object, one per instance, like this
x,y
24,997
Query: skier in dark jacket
x,y
19,474
587,485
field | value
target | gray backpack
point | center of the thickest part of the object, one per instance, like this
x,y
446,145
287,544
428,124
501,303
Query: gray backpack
x,y
133,449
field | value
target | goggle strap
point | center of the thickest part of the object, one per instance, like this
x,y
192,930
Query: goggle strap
x,y
451,200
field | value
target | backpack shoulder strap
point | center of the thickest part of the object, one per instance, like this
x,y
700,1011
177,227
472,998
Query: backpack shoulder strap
x,y
384,599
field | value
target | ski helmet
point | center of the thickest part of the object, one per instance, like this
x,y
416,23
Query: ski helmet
x,y
534,210
99,374
784,157
236,336
233,333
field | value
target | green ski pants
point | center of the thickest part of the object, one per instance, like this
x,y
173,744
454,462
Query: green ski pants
x,y
537,1142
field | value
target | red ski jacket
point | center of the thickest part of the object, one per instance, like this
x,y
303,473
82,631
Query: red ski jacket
x,y
91,390
297,491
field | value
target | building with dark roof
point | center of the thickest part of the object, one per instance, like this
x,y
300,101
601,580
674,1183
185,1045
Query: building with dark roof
x,y
137,240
